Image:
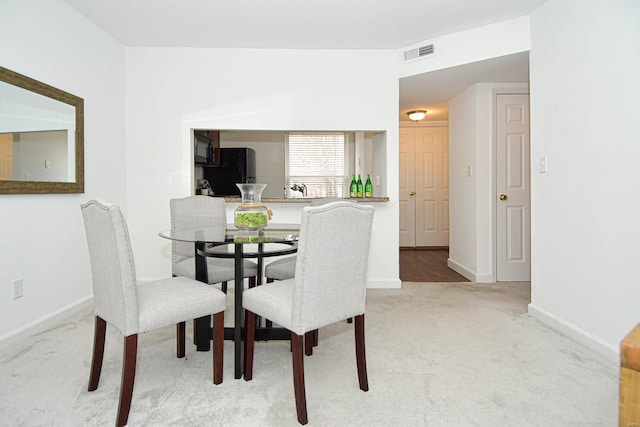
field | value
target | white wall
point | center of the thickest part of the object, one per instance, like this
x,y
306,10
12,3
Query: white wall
x,y
462,188
585,64
172,90
42,236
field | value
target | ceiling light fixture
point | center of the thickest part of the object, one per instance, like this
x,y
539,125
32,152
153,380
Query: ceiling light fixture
x,y
417,115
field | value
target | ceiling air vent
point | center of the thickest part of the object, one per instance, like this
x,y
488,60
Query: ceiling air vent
x,y
418,52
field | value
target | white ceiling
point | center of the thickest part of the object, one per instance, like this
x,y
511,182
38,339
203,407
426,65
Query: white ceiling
x,y
319,24
432,91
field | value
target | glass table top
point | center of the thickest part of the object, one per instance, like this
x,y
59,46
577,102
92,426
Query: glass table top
x,y
273,233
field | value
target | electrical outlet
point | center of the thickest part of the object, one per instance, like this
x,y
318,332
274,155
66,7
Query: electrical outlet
x,y
17,286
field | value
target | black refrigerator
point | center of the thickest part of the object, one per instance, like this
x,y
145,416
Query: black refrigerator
x,y
237,165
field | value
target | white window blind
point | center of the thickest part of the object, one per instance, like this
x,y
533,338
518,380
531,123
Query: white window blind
x,y
319,161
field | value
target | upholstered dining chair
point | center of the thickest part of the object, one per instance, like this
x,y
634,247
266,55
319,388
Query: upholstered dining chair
x,y
285,268
329,286
132,307
200,212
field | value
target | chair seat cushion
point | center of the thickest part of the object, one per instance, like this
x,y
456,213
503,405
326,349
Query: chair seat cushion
x,y
273,301
219,269
281,269
176,299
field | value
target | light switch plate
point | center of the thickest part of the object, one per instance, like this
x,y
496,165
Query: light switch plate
x,y
17,287
542,164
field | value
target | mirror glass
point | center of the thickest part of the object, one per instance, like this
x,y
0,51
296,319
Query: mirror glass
x,y
41,137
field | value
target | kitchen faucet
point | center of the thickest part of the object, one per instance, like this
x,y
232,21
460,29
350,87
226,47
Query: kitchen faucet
x,y
301,188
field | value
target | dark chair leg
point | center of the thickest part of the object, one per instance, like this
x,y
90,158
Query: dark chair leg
x,y
252,282
224,287
250,328
180,329
298,377
308,342
98,352
218,347
360,353
268,323
128,377
195,340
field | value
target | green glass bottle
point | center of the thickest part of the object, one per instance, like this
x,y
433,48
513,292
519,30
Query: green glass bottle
x,y
368,188
360,188
353,188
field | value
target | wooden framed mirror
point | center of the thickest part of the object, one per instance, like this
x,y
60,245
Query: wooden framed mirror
x,y
41,137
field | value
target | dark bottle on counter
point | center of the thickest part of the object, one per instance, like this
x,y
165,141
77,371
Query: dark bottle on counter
x,y
360,188
368,188
353,188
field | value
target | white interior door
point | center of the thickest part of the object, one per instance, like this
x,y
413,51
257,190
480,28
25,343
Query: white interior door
x,y
513,216
407,189
432,186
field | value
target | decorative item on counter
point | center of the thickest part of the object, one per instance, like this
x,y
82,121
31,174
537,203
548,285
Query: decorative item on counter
x,y
353,188
368,188
299,187
205,188
251,214
360,192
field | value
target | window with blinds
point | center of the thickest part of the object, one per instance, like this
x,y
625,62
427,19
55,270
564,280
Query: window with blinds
x,y
319,161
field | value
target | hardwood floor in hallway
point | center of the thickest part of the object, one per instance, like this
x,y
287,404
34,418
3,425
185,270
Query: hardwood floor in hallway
x,y
427,265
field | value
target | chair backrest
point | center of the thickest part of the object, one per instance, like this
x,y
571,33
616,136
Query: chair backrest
x,y
112,266
331,265
194,212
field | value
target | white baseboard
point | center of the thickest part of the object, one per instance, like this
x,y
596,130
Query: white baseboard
x,y
591,342
384,284
44,323
460,269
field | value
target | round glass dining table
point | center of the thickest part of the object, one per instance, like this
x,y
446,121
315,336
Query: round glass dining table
x,y
231,242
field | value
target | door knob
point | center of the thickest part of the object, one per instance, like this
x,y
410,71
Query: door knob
x,y
503,197
412,193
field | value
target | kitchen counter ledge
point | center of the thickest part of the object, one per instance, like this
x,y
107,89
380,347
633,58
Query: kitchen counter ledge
x,y
308,199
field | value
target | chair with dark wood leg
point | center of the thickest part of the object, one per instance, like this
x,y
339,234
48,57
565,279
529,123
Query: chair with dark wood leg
x,y
337,234
285,268
133,307
193,212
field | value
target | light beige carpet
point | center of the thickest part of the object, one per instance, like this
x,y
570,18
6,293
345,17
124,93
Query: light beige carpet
x,y
439,354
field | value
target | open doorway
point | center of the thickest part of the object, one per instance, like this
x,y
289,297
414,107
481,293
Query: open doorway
x,y
473,240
